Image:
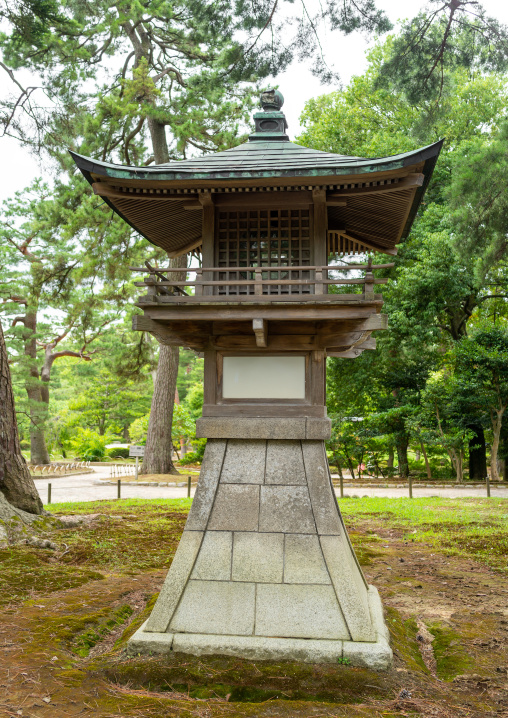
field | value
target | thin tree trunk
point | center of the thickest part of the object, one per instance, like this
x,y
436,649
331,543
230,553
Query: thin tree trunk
x,y
497,420
427,465
477,454
38,407
402,444
16,484
159,445
391,456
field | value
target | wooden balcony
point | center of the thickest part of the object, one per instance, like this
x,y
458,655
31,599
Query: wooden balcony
x,y
256,307
256,284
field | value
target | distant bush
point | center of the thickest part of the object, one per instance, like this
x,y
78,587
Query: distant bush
x,y
191,457
120,452
196,456
88,445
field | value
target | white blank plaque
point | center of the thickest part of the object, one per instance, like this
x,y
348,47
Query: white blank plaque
x,y
264,377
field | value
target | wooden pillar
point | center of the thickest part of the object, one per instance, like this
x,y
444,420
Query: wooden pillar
x,y
208,232
320,242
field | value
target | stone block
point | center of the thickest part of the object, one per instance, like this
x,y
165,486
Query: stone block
x,y
259,648
214,559
286,509
207,486
220,607
284,463
176,579
258,557
377,615
244,462
322,496
236,508
377,656
144,642
303,560
318,429
296,611
232,427
349,586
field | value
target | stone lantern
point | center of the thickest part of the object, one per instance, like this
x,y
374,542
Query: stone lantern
x,y
265,568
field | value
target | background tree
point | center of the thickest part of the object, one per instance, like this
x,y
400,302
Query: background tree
x,y
17,488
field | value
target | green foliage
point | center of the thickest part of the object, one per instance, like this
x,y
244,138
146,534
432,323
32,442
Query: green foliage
x,y
88,445
138,430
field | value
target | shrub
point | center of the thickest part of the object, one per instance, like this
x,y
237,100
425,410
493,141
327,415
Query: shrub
x,y
118,452
88,445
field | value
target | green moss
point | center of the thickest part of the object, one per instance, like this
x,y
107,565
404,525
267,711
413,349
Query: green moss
x,y
246,681
403,640
81,633
26,569
450,654
137,622
89,638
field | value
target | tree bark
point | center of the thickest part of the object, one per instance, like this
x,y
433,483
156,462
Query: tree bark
x,y
427,465
389,461
16,484
159,445
39,453
497,421
402,444
477,454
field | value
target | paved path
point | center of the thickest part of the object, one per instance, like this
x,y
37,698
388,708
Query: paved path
x,y
88,487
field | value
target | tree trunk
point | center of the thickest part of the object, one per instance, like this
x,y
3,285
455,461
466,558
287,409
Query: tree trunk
x,y
497,420
38,407
427,465
391,456
159,445
16,484
477,454
402,445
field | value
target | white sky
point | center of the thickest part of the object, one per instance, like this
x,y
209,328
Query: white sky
x,y
346,54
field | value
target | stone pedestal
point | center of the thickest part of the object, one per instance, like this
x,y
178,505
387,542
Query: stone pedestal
x,y
265,568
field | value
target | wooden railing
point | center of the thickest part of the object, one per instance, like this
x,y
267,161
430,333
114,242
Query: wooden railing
x,y
260,281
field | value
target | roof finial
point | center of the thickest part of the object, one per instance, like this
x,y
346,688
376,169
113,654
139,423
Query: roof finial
x,y
270,124
271,100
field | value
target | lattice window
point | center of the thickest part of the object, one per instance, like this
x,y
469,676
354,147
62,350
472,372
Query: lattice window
x,y
264,238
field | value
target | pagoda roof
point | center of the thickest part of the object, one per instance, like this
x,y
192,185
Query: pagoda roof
x,y
371,202
259,160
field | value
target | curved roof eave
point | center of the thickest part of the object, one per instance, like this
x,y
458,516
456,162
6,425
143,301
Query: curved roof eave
x,y
260,160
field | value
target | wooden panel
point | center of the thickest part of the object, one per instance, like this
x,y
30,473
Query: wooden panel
x,y
299,410
270,311
210,377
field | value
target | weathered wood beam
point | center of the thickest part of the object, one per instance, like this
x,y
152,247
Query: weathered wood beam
x,y
368,242
102,189
186,248
415,179
260,327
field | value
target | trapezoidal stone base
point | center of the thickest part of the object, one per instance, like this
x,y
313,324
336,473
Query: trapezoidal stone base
x,y
265,568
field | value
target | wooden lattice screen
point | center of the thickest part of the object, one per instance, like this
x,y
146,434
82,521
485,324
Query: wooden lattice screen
x,y
264,238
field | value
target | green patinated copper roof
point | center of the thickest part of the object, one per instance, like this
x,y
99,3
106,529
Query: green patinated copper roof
x,y
259,159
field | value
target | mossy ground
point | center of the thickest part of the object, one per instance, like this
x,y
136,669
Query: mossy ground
x,y
67,615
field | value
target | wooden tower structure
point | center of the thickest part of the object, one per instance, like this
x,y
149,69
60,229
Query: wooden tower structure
x,y
265,568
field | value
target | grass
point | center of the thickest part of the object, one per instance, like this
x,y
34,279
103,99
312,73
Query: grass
x,y
474,527
72,610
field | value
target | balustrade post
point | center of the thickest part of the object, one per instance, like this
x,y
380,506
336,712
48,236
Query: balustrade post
x,y
258,276
318,281
368,286
199,286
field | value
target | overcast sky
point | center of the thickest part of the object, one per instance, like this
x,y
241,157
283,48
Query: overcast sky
x,y
346,54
